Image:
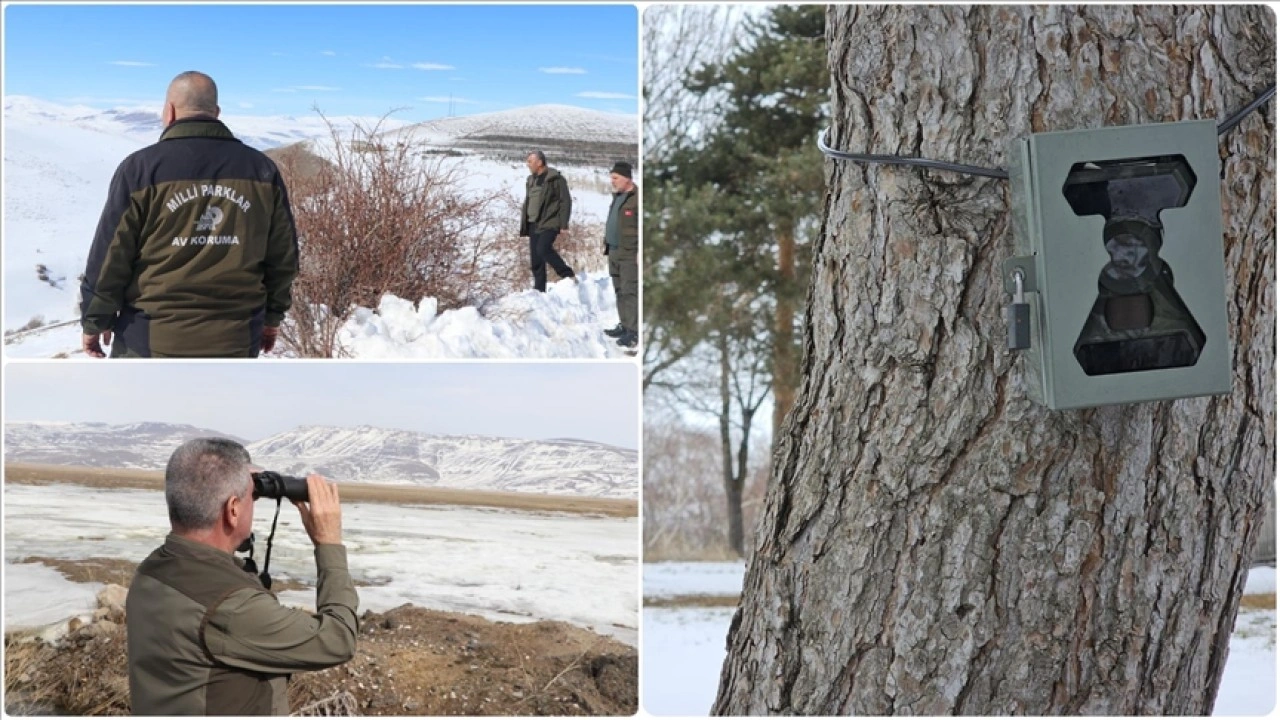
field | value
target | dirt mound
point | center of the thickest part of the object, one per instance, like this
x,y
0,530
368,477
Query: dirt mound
x,y
412,661
409,661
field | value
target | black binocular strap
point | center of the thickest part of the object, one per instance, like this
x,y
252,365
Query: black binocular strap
x,y
266,560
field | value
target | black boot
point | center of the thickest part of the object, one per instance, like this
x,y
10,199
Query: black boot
x,y
616,331
629,340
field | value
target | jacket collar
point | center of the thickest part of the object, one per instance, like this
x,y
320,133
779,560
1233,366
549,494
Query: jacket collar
x,y
183,546
197,126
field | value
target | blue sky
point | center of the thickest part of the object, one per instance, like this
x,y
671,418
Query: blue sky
x,y
350,60
588,401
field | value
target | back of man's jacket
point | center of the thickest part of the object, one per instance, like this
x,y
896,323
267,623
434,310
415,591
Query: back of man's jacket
x,y
205,638
196,249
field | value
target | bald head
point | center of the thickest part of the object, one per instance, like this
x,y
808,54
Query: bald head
x,y
191,93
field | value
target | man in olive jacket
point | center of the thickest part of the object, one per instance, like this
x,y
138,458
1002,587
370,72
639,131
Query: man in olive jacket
x,y
204,636
545,213
196,251
622,245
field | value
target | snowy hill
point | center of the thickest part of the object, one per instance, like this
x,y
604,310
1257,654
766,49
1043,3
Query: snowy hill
x,y
59,160
142,124
537,122
139,446
363,454
569,136
366,454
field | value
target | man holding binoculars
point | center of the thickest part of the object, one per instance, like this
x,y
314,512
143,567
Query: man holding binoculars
x,y
205,637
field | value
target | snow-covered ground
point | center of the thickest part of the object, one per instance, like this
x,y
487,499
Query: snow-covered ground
x,y
684,647
683,651
58,162
565,322
675,579
504,565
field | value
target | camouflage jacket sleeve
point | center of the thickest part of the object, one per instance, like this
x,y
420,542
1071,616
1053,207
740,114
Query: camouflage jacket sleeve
x,y
566,203
281,263
109,270
251,630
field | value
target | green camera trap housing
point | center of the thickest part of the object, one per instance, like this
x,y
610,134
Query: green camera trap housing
x,y
1119,239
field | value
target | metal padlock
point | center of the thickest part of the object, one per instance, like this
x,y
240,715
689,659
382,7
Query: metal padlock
x,y
1019,316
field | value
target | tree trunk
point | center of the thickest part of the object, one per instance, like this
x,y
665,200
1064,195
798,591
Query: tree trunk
x,y
784,367
932,542
732,482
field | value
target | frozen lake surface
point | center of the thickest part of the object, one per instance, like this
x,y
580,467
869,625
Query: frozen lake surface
x,y
501,564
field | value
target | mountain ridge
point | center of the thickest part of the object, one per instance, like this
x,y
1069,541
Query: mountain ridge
x,y
363,454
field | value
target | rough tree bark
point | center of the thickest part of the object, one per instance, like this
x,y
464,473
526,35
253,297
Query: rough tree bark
x,y
931,541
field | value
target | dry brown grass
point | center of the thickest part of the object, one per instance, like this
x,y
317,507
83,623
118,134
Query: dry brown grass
x,y
86,676
1265,601
34,474
95,569
693,601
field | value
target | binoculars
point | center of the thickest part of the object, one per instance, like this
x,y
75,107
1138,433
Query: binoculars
x,y
273,486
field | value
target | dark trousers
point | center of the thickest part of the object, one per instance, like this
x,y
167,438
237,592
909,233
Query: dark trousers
x,y
542,253
625,274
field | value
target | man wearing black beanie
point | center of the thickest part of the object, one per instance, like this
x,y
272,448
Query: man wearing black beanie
x,y
622,245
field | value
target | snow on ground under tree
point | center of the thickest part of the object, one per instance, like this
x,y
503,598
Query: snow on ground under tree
x,y
684,647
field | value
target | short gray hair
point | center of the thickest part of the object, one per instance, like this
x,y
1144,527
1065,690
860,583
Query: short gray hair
x,y
195,92
202,473
542,157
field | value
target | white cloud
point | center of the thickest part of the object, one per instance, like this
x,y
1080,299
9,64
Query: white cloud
x,y
594,95
114,101
386,63
562,71
131,63
432,66
328,53
307,88
455,100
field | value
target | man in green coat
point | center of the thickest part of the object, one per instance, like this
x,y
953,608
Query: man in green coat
x,y
204,636
622,245
196,252
546,210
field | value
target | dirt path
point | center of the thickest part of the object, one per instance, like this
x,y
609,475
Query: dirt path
x,y
33,474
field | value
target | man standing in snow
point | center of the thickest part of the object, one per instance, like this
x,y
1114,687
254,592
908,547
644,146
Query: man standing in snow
x,y
204,636
196,252
622,245
547,205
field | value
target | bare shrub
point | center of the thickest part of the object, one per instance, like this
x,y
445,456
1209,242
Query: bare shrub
x,y
685,513
582,246
384,214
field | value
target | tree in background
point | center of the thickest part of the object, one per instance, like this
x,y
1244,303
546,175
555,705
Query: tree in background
x,y
732,191
932,542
